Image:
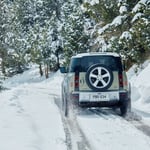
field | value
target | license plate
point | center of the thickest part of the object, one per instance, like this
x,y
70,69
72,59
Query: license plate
x,y
94,97
99,97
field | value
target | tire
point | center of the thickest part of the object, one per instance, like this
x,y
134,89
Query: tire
x,y
124,108
99,77
129,97
69,107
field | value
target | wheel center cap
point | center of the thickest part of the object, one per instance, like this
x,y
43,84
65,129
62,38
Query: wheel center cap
x,y
99,77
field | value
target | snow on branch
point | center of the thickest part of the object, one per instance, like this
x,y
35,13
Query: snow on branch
x,y
139,5
126,35
136,17
116,22
92,2
123,9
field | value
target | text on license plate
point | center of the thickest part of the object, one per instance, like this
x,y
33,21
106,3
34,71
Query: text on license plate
x,y
99,97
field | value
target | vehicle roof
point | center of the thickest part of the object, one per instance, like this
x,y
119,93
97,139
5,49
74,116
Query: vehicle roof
x,y
96,54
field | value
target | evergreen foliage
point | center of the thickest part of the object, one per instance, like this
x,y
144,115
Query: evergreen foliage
x,y
49,32
123,29
75,40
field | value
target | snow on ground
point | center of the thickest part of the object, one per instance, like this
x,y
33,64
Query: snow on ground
x,y
30,119
108,132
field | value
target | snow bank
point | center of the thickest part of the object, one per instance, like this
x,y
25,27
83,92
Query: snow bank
x,y
30,76
140,84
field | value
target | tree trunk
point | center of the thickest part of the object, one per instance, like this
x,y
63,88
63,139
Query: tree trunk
x,y
46,71
3,67
41,71
2,55
57,63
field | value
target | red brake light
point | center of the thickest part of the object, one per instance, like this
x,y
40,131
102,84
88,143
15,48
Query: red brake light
x,y
120,80
76,81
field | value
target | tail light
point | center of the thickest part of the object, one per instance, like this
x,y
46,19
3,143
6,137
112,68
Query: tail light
x,y
120,80
76,82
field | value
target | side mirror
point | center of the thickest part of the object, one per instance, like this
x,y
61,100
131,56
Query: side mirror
x,y
63,70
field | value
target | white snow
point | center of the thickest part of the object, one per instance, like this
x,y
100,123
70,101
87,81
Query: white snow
x,y
136,17
126,35
140,81
116,22
103,29
31,120
123,9
92,2
140,84
139,5
111,133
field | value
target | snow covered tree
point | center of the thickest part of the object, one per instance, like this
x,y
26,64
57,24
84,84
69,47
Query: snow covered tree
x,y
127,29
5,20
45,31
32,27
141,30
75,40
100,10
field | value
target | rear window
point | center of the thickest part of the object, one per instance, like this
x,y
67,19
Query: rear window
x,y
82,64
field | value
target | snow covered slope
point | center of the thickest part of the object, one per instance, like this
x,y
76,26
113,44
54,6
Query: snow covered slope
x,y
140,83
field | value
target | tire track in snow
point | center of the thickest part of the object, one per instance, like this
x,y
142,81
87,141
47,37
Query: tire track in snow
x,y
75,138
103,113
142,127
79,141
74,133
136,120
131,117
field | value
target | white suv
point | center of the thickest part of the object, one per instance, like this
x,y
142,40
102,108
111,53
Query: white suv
x,y
96,80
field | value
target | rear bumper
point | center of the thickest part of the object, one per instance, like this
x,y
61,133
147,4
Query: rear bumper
x,y
123,97
100,104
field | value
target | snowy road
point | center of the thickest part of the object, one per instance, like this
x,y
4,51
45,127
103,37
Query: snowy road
x,y
31,119
103,129
100,128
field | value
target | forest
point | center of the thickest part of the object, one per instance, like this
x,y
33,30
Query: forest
x,y
49,32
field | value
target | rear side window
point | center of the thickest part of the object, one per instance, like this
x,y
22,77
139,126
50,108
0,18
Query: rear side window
x,y
82,64
75,65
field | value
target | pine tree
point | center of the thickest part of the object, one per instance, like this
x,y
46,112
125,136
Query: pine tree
x,y
32,27
125,32
74,38
4,29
